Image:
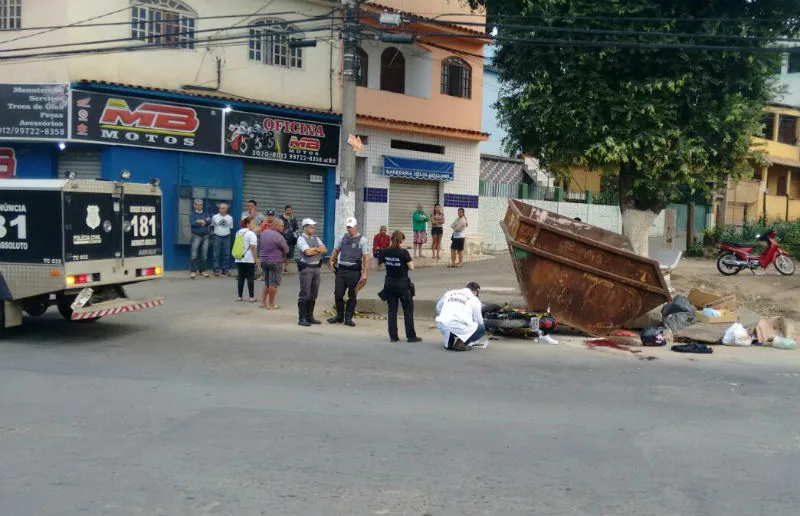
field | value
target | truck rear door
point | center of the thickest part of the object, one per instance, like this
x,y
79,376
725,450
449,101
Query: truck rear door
x,y
143,225
93,226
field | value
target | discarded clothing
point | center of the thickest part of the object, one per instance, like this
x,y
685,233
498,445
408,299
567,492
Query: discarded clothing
x,y
693,347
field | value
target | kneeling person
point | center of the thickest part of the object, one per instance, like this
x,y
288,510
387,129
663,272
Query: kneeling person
x,y
459,317
350,261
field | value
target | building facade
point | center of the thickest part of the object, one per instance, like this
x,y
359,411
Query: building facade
x,y
212,98
419,117
774,191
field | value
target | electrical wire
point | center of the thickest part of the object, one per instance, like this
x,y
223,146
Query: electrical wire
x,y
45,30
172,35
82,24
614,32
146,46
620,44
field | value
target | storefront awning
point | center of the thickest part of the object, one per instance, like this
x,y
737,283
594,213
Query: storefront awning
x,y
412,168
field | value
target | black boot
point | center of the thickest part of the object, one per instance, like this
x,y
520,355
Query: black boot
x,y
351,310
301,311
310,312
339,317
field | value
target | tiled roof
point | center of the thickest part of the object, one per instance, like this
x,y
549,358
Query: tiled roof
x,y
455,131
213,95
421,19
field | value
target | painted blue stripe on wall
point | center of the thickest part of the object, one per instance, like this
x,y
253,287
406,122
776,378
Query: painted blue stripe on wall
x,y
460,201
377,195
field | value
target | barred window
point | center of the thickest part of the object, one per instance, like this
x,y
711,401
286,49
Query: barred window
x,y
456,77
10,14
270,45
165,22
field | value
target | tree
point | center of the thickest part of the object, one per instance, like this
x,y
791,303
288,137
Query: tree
x,y
663,121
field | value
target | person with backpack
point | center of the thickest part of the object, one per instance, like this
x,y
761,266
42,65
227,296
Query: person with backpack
x,y
459,317
244,252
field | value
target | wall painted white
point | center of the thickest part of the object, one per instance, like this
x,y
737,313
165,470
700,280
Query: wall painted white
x,y
419,67
493,210
464,154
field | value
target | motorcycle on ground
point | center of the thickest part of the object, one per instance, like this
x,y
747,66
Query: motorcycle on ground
x,y
518,322
735,257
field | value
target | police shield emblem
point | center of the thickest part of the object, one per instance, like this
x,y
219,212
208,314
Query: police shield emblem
x,y
93,216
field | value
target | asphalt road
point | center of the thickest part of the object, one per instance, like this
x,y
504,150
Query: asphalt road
x,y
206,406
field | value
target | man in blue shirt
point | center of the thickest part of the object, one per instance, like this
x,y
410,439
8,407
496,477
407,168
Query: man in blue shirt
x,y
200,223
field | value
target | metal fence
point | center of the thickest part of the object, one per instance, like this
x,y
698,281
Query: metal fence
x,y
535,192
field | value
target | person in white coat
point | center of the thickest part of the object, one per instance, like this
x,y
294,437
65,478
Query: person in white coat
x,y
459,317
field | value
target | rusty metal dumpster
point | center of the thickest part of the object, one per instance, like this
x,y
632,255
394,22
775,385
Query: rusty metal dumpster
x,y
591,278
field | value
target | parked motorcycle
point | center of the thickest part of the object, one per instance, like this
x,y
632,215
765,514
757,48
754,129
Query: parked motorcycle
x,y
734,257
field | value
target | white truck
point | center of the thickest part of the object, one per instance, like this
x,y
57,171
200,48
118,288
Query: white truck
x,y
75,244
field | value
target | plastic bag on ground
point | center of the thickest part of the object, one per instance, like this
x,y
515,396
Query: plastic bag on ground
x,y
656,337
678,321
680,304
783,343
737,335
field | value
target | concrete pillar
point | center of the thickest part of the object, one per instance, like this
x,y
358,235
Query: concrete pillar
x,y
788,191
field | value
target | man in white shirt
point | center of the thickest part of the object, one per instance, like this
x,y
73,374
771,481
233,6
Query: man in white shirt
x,y
459,317
222,223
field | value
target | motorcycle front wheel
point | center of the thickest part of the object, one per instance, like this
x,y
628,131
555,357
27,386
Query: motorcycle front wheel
x,y
784,265
726,264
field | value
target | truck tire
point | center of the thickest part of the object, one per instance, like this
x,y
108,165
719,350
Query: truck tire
x,y
36,307
65,310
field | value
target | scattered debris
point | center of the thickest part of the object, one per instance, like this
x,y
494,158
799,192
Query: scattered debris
x,y
693,347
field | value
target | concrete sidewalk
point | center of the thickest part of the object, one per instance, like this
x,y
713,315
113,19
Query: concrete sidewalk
x,y
495,274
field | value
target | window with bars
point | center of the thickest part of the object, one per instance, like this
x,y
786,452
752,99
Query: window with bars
x,y
768,121
10,14
163,22
456,77
787,129
270,45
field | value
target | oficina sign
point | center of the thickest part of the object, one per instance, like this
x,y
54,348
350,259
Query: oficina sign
x,y
8,163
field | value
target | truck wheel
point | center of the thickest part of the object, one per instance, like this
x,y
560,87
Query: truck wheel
x,y
66,312
36,307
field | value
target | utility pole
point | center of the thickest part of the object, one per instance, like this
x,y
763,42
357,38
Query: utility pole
x,y
347,195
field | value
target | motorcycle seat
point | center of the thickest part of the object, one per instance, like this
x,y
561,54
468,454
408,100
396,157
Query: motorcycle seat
x,y
738,244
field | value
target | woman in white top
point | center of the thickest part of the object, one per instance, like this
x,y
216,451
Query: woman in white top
x,y
247,263
459,237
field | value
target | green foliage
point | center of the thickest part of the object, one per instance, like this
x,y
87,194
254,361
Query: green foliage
x,y
696,250
664,122
788,233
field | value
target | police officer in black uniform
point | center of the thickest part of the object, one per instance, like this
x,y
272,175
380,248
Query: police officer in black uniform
x,y
350,262
398,289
